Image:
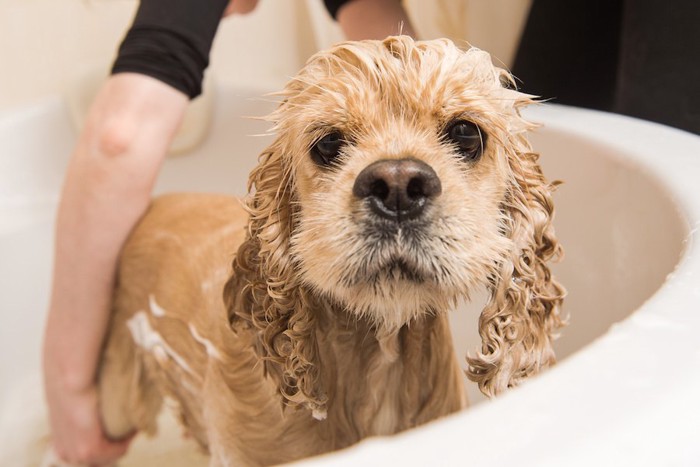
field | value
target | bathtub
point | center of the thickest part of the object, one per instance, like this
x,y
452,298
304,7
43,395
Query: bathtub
x,y
625,390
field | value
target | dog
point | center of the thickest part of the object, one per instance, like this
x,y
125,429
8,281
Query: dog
x,y
400,180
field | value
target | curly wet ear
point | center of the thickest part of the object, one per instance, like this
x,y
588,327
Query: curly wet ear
x,y
521,319
264,294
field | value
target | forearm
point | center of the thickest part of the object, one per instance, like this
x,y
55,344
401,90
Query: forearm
x,y
107,189
374,19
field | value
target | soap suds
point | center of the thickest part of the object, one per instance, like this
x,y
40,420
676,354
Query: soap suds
x,y
148,339
212,351
156,309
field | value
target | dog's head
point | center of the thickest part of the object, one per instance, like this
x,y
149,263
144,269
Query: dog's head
x,y
400,180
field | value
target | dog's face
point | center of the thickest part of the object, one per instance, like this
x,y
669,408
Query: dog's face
x,y
401,179
398,153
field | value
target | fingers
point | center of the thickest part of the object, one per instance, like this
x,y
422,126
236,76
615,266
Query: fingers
x,y
100,452
110,451
77,434
240,7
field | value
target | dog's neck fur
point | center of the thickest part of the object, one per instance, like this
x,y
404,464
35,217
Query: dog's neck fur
x,y
380,383
403,374
371,382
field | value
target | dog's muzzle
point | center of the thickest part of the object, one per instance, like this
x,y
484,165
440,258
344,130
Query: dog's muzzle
x,y
397,189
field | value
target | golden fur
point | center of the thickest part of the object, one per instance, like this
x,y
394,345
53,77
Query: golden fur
x,y
318,342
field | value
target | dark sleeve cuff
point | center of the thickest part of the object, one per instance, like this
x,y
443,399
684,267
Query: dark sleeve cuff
x,y
333,6
170,40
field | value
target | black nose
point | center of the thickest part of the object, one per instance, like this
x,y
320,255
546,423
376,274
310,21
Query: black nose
x,y
397,189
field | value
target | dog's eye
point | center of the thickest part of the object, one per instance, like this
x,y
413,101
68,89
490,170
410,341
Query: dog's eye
x,y
327,149
468,138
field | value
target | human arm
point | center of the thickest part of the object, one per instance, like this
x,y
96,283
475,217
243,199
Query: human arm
x,y
107,188
372,19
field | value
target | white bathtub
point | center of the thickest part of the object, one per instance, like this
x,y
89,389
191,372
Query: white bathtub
x,y
626,390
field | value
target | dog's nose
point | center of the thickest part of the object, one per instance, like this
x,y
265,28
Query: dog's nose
x,y
397,189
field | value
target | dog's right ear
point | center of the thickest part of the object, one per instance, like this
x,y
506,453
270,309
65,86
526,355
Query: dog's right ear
x,y
264,293
521,320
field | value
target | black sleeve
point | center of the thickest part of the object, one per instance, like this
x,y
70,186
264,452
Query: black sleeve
x,y
638,58
334,5
170,40
568,51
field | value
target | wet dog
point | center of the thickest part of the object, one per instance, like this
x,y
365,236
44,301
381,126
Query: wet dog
x,y
400,180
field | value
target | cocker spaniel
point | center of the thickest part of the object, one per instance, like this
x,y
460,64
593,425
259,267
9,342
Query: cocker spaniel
x,y
400,180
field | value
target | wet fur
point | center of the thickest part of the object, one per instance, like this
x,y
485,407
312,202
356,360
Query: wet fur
x,y
333,326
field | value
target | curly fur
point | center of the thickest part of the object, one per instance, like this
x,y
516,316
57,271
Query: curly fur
x,y
264,290
520,321
321,339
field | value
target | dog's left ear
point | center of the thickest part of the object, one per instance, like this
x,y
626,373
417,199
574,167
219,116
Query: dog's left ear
x,y
520,321
264,293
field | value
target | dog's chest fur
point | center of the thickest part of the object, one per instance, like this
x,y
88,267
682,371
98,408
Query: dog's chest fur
x,y
373,388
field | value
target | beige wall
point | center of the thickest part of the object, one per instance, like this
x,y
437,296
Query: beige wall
x,y
48,46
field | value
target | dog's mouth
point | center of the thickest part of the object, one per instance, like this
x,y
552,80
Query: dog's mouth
x,y
388,252
386,232
398,252
394,269
397,269
392,256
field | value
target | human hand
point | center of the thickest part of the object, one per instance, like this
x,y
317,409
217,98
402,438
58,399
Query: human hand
x,y
240,7
77,433
374,19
